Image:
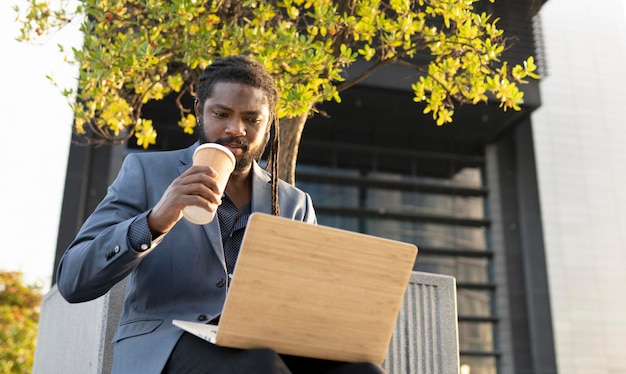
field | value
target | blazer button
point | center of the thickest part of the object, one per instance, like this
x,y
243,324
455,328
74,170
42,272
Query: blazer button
x,y
202,317
220,282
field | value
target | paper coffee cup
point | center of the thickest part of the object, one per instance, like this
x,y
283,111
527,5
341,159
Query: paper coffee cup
x,y
222,160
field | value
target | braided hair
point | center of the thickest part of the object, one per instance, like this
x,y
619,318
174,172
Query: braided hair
x,y
241,69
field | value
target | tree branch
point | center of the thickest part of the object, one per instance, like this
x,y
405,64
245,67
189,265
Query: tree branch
x,y
366,73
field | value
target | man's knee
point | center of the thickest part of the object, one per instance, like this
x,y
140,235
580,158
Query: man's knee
x,y
358,368
262,360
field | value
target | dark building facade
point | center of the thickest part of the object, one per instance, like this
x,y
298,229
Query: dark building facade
x,y
465,194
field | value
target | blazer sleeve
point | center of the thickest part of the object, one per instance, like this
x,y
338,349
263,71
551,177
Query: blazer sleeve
x,y
100,256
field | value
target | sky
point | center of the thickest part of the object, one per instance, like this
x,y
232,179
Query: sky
x,y
36,129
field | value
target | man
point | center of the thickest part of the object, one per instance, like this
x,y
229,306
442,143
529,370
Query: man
x,y
176,269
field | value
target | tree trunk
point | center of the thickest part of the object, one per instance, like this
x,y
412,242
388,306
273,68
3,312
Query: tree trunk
x,y
290,134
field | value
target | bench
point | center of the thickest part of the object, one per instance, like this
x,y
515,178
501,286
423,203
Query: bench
x,y
76,338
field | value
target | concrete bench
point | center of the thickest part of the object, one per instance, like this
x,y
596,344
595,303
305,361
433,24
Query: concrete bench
x,y
76,338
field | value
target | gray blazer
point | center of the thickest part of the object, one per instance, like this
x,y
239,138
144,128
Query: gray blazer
x,y
183,277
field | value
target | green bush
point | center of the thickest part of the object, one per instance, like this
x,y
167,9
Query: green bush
x,y
19,315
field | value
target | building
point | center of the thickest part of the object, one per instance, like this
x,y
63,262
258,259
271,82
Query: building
x,y
508,203
579,136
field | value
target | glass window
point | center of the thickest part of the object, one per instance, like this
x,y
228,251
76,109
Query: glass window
x,y
478,365
429,234
331,195
465,269
425,203
474,303
340,222
465,177
476,336
402,203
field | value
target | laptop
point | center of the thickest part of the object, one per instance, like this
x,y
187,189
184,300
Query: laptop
x,y
312,291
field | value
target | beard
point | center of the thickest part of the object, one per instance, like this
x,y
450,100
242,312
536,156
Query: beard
x,y
248,155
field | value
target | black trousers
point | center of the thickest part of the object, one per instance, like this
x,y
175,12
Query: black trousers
x,y
193,355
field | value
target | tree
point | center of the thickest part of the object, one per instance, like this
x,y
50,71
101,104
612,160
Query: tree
x,y
19,315
140,50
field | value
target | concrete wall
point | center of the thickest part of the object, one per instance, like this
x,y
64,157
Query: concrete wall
x,y
76,338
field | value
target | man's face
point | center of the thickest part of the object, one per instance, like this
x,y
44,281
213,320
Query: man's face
x,y
237,117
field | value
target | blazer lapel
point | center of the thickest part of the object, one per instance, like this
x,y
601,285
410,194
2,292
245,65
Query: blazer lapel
x,y
211,229
186,160
261,190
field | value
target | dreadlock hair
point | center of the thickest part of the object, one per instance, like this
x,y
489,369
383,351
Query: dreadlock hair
x,y
241,69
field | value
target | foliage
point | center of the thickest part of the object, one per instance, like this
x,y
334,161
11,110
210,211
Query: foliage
x,y
141,50
19,315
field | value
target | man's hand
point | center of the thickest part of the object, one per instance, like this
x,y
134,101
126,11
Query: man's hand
x,y
196,186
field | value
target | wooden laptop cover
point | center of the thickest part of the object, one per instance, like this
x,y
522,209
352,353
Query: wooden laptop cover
x,y
315,291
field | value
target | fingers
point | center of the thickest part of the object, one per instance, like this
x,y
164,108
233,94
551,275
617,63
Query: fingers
x,y
196,186
200,181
